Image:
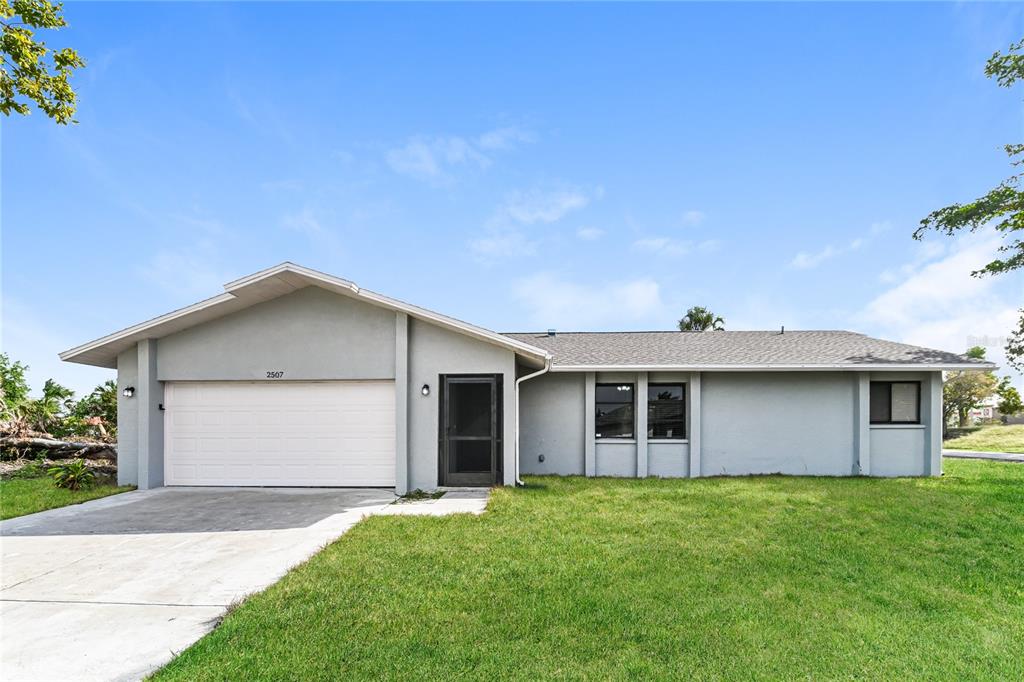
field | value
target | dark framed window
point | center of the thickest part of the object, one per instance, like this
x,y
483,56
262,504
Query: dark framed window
x,y
666,411
615,417
895,402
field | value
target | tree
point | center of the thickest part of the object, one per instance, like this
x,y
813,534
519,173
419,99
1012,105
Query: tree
x,y
101,404
28,69
963,391
49,410
13,387
1010,402
1001,207
700,319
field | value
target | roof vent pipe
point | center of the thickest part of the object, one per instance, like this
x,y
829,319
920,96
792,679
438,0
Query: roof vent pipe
x,y
783,329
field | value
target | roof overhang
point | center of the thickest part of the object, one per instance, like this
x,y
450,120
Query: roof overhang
x,y
891,367
263,286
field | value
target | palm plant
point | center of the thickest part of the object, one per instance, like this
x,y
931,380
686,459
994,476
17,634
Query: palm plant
x,y
700,319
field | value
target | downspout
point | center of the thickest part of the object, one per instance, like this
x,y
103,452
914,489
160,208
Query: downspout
x,y
547,366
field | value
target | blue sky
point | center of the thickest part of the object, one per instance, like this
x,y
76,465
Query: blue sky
x,y
519,166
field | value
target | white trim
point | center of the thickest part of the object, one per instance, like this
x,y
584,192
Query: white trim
x,y
233,288
142,326
773,368
667,441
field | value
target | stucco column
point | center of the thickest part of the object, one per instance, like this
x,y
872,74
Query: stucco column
x,y
401,403
150,393
589,444
933,429
641,424
694,414
861,423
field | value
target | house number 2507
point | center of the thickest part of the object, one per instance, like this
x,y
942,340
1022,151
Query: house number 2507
x,y
275,374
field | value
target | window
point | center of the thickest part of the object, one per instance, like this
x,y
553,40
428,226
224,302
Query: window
x,y
666,411
895,402
614,411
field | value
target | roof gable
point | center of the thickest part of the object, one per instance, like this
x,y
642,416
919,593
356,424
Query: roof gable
x,y
263,286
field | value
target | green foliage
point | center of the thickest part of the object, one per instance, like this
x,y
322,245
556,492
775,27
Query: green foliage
x,y
73,475
13,386
699,319
1000,208
963,391
101,404
28,69
1009,398
976,352
24,495
34,469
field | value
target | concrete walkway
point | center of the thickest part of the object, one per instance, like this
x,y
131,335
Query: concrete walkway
x,y
980,454
112,589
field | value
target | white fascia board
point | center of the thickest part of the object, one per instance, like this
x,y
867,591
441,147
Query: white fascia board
x,y
774,368
452,323
233,288
143,326
290,267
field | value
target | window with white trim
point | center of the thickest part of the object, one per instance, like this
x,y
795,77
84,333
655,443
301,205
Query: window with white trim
x,y
895,402
666,411
614,417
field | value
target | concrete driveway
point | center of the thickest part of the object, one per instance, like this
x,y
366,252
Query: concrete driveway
x,y
113,588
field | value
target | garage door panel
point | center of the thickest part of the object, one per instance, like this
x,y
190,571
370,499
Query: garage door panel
x,y
276,433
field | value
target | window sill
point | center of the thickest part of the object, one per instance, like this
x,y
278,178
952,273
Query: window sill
x,y
669,441
895,426
623,441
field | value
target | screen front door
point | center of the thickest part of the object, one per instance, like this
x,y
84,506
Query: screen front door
x,y
470,430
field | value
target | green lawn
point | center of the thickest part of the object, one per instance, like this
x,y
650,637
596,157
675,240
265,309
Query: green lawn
x,y
995,438
742,578
22,496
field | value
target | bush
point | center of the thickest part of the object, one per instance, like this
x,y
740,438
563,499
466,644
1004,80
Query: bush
x,y
73,475
33,469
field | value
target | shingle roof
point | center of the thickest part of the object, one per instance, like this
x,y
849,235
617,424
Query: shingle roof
x,y
826,349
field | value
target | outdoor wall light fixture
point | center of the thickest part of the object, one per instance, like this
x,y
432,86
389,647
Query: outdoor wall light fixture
x,y
128,392
425,390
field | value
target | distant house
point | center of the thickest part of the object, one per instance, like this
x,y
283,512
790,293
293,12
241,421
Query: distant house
x,y
292,377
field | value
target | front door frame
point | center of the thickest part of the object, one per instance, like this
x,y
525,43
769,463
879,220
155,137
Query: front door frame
x,y
493,477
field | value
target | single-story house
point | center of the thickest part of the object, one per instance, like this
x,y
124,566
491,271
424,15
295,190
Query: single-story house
x,y
292,377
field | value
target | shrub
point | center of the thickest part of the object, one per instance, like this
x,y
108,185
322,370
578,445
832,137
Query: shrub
x,y
73,475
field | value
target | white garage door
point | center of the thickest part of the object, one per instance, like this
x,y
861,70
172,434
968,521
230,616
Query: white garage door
x,y
331,433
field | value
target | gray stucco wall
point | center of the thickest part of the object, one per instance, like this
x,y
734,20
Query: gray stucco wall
x,y
668,460
553,424
127,419
308,334
907,449
898,451
777,422
433,351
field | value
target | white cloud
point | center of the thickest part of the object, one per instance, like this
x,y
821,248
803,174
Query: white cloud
x,y
539,206
664,246
504,235
938,304
805,261
556,302
505,138
192,272
434,159
502,244
304,222
693,218
668,246
589,234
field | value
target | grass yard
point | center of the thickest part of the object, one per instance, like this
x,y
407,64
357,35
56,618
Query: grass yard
x,y
573,578
20,496
995,438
